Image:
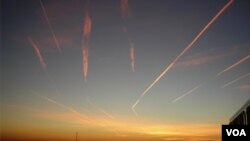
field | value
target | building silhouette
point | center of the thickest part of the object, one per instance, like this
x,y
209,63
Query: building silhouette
x,y
242,116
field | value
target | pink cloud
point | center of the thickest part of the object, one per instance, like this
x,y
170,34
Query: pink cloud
x,y
199,59
245,87
65,40
64,10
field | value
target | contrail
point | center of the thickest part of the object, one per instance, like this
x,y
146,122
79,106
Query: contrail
x,y
125,15
100,109
38,53
132,56
225,70
187,93
234,65
184,51
87,27
57,103
50,26
85,63
133,107
73,111
124,9
87,24
106,114
235,80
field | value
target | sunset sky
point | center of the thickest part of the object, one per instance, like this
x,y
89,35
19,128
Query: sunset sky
x,y
158,70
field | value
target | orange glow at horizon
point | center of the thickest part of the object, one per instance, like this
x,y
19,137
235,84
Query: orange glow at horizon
x,y
50,26
115,128
190,45
125,125
38,53
234,65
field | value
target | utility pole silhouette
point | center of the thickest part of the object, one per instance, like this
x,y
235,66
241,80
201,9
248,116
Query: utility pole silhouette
x,y
76,136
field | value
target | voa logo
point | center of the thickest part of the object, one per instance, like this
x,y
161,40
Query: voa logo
x,y
236,132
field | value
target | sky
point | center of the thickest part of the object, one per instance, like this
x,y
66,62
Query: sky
x,y
122,69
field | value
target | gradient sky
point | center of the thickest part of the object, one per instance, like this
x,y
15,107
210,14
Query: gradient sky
x,y
56,102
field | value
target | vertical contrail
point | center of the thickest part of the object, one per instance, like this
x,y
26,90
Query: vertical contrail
x,y
125,13
76,136
87,25
187,93
235,80
234,65
132,56
85,62
50,26
38,53
183,52
124,9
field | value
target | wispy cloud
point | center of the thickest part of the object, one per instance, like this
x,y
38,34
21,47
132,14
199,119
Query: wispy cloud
x,y
245,87
200,59
46,43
